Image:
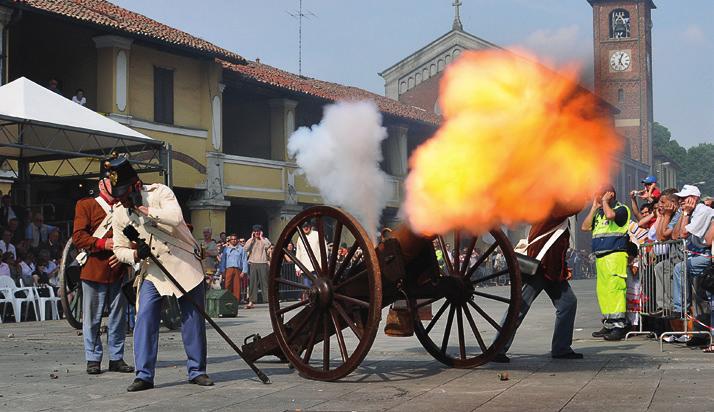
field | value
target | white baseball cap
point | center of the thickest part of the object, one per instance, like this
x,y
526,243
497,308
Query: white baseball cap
x,y
689,190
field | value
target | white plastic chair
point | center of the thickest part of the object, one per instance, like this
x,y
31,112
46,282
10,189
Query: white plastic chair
x,y
43,300
6,297
26,295
19,296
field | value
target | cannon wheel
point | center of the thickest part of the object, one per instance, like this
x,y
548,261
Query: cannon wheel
x,y
70,286
342,295
472,307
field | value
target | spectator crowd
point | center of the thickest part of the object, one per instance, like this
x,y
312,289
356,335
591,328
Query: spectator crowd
x,y
30,249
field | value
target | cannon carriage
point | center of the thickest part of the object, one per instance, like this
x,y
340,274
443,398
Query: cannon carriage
x,y
327,334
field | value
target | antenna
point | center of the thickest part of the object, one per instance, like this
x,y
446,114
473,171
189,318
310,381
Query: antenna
x,y
299,15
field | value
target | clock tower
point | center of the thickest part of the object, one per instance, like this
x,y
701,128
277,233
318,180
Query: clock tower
x,y
622,30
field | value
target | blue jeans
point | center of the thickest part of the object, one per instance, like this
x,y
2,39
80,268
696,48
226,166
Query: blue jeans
x,y
565,303
695,265
94,297
146,332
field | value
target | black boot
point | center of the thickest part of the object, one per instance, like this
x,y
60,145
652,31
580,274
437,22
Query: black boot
x,y
501,358
139,385
601,333
120,366
616,334
94,368
202,380
568,355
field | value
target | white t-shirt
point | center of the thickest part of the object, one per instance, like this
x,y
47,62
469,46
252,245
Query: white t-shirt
x,y
27,270
81,102
8,248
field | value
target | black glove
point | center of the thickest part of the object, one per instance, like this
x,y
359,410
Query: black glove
x,y
143,250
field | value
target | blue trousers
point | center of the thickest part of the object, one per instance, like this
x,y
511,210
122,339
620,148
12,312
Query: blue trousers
x,y
94,297
146,332
565,303
695,266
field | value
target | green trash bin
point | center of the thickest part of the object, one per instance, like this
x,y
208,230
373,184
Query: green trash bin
x,y
221,303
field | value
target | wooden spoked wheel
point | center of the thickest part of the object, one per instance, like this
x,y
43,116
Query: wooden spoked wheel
x,y
70,286
475,317
327,333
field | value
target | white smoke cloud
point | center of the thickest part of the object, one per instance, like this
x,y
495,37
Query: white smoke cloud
x,y
340,157
562,46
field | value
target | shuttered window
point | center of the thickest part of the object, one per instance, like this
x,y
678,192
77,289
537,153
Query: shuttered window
x,y
163,95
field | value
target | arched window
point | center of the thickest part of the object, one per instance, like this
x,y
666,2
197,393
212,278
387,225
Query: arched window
x,y
402,87
432,69
619,24
620,95
440,65
411,83
425,73
418,77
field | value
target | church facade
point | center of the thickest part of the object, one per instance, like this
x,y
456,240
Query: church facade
x,y
414,80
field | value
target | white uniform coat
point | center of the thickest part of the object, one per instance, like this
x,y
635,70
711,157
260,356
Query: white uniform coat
x,y
168,236
301,251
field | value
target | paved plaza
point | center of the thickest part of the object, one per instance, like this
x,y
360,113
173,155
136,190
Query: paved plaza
x,y
43,366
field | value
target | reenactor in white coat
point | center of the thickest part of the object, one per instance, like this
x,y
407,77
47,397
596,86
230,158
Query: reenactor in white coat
x,y
155,213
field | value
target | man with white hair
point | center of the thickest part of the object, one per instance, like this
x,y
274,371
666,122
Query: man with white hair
x,y
693,225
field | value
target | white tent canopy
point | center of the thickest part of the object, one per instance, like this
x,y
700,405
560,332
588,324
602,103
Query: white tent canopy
x,y
38,125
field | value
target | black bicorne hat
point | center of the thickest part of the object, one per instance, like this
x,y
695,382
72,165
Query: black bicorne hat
x,y
120,173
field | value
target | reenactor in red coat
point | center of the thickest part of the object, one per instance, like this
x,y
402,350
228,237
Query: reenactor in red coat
x,y
102,276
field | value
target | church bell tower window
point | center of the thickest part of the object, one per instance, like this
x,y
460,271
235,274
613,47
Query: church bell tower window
x,y
619,24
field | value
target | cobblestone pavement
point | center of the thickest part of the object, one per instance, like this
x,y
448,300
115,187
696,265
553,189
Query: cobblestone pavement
x,y
43,366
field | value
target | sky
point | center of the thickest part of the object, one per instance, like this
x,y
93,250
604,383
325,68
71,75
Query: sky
x,y
350,42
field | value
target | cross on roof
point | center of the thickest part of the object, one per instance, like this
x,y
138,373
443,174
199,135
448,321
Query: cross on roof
x,y
457,18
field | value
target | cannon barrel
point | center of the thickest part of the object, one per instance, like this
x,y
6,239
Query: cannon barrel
x,y
410,243
405,256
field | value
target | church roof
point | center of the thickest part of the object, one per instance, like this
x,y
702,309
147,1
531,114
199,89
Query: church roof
x,y
434,44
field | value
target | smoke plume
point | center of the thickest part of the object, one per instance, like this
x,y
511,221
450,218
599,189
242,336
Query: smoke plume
x,y
518,140
340,157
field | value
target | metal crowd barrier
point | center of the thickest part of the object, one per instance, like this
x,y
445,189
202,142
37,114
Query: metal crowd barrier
x,y
286,292
657,262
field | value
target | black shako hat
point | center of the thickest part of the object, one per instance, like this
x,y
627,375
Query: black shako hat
x,y
120,173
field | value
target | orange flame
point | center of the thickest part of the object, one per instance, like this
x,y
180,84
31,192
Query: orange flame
x,y
518,140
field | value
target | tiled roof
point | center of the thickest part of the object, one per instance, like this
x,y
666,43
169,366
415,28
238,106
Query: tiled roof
x,y
272,76
104,13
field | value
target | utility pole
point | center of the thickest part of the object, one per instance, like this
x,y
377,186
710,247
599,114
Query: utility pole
x,y
299,15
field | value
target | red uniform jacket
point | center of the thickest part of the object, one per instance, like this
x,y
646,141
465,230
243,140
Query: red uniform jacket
x,y
88,215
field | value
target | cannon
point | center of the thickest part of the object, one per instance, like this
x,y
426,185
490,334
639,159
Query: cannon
x,y
327,334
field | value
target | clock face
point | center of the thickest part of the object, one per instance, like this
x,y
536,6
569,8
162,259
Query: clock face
x,y
620,61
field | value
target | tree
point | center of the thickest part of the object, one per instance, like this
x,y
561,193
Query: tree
x,y
697,163
700,167
662,140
